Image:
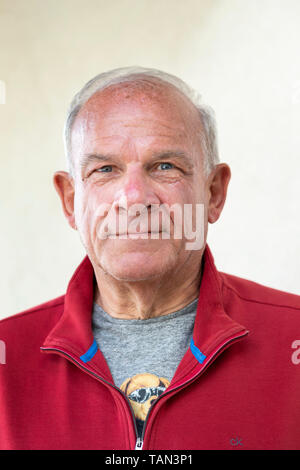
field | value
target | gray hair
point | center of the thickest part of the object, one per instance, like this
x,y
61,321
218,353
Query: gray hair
x,y
127,74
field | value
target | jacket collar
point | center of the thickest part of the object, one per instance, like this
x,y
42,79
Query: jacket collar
x,y
73,332
212,323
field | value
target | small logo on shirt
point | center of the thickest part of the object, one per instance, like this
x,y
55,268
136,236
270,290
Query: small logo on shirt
x,y
236,441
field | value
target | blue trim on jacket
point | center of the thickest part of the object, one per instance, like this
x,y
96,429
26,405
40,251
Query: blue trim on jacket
x,y
196,352
87,356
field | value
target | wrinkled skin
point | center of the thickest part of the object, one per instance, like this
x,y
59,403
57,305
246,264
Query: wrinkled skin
x,y
135,124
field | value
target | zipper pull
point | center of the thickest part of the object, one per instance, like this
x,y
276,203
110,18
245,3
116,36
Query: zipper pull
x,y
139,444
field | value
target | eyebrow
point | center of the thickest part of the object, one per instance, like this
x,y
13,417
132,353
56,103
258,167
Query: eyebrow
x,y
177,155
91,157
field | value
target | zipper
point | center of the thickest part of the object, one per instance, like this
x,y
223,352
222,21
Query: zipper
x,y
140,440
138,445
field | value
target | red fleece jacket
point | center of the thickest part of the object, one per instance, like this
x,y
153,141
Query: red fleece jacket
x,y
237,386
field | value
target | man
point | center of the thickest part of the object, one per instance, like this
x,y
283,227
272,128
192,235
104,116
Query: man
x,y
151,347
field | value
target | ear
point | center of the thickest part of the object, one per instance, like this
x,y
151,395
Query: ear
x,y
218,182
64,185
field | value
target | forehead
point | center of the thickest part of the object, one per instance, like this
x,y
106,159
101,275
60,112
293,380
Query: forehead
x,y
144,108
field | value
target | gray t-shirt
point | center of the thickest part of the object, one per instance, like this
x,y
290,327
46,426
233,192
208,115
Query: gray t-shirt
x,y
143,355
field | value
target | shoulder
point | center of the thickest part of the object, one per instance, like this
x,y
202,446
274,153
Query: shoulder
x,y
255,293
37,318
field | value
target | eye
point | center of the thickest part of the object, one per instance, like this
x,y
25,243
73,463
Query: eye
x,y
104,168
166,163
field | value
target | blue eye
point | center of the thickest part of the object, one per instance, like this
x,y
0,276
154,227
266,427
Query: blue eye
x,y
106,166
166,163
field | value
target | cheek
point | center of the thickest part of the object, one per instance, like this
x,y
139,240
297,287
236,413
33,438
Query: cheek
x,y
184,193
190,203
87,207
79,204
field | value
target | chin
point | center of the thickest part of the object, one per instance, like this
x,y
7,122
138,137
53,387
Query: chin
x,y
134,266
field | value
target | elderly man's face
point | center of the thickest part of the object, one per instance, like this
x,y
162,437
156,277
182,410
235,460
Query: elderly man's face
x,y
137,143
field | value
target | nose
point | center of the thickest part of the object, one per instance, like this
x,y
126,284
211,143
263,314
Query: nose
x,y
135,189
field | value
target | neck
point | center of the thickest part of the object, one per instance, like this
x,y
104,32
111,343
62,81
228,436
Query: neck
x,y
149,298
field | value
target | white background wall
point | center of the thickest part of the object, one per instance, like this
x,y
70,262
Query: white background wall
x,y
241,55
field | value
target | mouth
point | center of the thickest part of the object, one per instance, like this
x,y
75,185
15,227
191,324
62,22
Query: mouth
x,y
133,234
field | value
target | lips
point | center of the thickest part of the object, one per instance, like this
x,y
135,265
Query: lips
x,y
134,233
